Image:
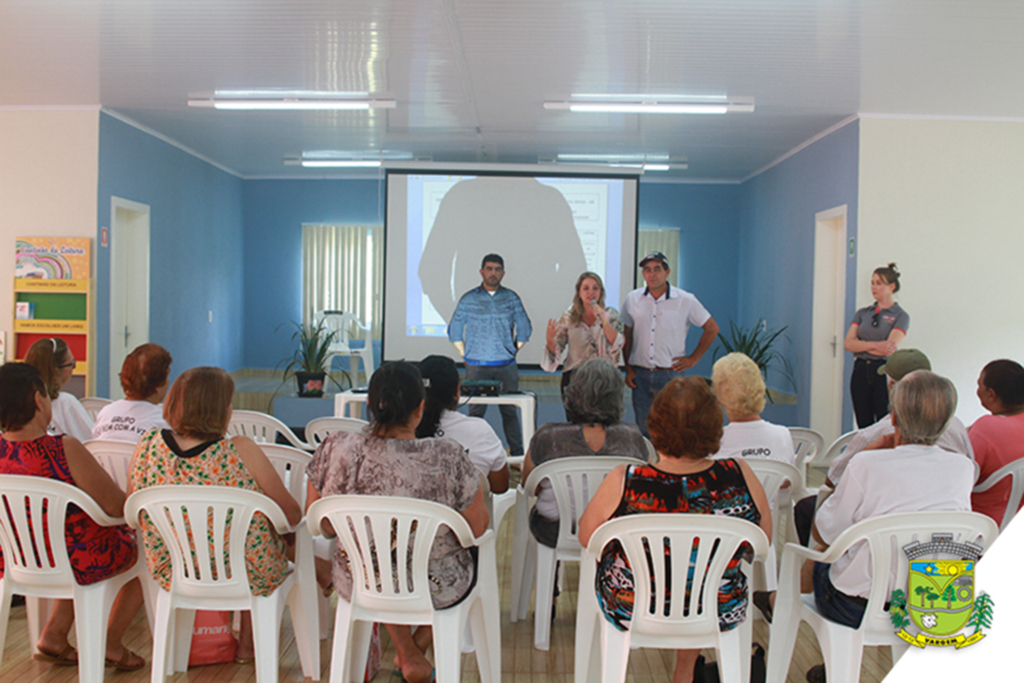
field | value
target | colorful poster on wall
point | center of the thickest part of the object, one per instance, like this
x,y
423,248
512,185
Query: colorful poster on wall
x,y
52,258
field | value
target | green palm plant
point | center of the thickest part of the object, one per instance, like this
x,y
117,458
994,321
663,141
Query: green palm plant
x,y
760,344
313,349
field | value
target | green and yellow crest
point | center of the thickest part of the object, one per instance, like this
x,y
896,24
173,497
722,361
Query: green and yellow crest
x,y
940,598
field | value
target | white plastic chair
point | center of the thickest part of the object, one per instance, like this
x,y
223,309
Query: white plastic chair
x,y
263,428
93,405
290,465
692,605
319,428
209,573
773,474
375,531
33,519
842,646
1014,470
341,323
574,481
114,456
807,444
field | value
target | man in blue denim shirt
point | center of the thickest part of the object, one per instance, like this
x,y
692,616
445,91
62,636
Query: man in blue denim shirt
x,y
488,328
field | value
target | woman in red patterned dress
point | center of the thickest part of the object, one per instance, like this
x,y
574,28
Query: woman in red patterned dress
x,y
96,552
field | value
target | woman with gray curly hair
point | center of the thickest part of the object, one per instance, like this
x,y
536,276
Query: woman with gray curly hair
x,y
740,389
594,402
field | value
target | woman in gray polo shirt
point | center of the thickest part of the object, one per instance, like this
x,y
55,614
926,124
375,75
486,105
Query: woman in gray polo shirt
x,y
875,333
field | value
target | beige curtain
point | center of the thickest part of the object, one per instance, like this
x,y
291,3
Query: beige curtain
x,y
665,240
343,269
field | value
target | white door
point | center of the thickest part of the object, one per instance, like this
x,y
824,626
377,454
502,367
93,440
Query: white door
x,y
129,284
827,353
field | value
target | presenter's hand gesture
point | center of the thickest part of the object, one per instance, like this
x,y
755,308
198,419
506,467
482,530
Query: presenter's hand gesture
x,y
552,336
630,377
681,363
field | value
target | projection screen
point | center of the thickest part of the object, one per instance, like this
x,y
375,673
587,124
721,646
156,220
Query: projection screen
x,y
548,229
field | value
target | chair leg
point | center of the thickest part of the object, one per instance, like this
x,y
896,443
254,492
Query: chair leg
x,y
37,611
588,647
184,623
734,653
520,540
448,645
359,650
615,653
842,649
487,641
546,564
785,624
92,607
340,649
5,614
162,638
302,601
266,635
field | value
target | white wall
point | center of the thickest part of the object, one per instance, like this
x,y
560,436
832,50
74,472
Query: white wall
x,y
945,201
48,184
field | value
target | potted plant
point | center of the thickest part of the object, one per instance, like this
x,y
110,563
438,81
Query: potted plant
x,y
309,360
759,344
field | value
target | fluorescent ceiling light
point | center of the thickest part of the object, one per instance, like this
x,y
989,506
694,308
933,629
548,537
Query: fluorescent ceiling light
x,y
340,163
649,97
288,100
609,158
661,105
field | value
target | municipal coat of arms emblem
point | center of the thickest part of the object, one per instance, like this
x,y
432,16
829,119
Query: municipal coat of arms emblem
x,y
940,603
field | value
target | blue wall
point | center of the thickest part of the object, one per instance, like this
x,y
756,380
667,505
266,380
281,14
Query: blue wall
x,y
708,218
274,213
776,252
195,245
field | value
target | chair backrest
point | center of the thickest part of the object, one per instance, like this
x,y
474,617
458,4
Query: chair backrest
x,y
290,464
388,541
888,535
833,451
773,474
574,481
32,514
262,428
1014,470
320,428
205,529
93,405
807,443
677,562
341,323
652,452
114,456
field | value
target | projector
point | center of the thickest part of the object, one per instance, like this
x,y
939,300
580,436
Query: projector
x,y
481,387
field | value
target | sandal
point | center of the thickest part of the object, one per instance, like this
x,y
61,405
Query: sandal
x,y
66,657
129,661
816,674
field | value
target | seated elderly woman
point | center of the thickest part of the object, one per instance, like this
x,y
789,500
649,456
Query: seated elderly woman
x,y
195,451
441,386
56,364
388,460
740,389
96,552
594,400
685,423
144,380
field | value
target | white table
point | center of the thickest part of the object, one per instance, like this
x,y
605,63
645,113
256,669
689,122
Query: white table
x,y
527,403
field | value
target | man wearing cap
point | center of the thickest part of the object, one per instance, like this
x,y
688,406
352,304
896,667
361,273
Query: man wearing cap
x,y
488,328
656,319
880,435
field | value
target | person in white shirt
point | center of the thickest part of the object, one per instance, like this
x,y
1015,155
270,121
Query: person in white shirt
x,y
740,389
144,378
56,364
655,320
483,447
954,439
909,473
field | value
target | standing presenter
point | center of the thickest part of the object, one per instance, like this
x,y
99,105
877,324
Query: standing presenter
x,y
488,328
656,319
874,334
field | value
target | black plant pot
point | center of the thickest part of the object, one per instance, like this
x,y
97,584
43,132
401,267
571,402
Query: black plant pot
x,y
311,384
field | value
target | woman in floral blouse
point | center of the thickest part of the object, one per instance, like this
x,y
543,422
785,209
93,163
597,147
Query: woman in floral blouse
x,y
195,451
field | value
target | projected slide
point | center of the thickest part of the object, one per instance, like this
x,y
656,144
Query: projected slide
x,y
547,229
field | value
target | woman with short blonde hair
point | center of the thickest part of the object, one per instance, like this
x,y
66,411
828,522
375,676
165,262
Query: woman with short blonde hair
x,y
739,386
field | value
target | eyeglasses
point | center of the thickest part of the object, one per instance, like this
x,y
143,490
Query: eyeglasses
x,y
67,365
874,319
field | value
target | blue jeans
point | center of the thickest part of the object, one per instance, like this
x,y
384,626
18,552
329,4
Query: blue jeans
x,y
833,604
648,384
508,375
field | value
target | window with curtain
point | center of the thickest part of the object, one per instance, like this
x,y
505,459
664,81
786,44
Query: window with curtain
x,y
343,269
665,240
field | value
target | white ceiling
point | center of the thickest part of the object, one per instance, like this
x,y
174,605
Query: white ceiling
x,y
471,76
